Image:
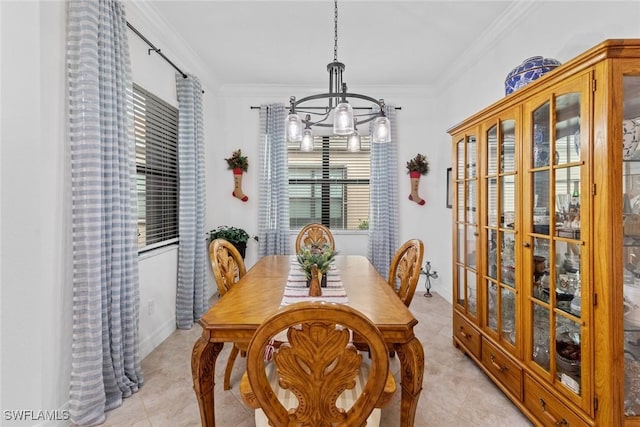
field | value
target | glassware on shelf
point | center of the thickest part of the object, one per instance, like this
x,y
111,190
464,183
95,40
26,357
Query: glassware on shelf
x,y
541,334
562,207
568,353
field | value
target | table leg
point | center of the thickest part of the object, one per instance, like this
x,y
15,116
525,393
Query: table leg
x,y
203,362
411,355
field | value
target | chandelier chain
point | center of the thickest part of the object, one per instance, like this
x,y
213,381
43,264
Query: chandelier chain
x,y
335,32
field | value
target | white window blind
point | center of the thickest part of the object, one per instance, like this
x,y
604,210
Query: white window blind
x,y
156,135
329,185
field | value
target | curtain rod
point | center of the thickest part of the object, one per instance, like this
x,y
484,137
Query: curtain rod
x,y
155,49
255,107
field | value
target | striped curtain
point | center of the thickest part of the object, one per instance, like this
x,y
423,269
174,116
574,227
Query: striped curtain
x,y
104,358
383,222
273,211
191,295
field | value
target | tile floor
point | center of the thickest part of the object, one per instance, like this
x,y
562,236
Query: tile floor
x,y
455,392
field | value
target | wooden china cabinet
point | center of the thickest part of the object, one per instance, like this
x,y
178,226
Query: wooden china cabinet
x,y
546,227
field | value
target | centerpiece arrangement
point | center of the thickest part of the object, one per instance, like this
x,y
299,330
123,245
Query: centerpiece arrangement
x,y
316,258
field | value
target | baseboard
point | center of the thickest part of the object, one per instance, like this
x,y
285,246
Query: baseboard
x,y
157,337
444,291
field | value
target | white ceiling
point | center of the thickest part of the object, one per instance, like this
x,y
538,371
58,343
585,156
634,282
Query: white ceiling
x,y
412,43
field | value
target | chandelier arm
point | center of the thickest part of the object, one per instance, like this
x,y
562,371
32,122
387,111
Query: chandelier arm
x,y
379,103
317,122
324,109
360,122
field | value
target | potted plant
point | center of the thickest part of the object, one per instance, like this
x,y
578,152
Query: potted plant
x,y
234,235
416,167
239,164
320,257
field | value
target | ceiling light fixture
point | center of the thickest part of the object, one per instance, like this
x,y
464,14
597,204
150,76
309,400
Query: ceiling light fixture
x,y
339,110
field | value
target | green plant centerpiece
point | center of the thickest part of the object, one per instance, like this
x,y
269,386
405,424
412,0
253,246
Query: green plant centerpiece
x,y
234,235
320,257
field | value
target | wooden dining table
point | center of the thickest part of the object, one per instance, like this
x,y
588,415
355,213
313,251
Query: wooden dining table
x,y
235,317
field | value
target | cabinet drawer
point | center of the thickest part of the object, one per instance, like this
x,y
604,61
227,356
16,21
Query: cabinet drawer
x,y
466,334
546,408
502,368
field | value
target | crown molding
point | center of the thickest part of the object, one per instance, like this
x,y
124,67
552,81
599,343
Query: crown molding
x,y
144,17
503,25
286,91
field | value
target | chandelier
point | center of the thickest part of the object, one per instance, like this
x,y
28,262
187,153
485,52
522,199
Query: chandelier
x,y
338,113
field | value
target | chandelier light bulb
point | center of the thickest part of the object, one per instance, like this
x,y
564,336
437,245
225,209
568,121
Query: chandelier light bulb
x,y
293,128
381,130
306,143
353,142
343,119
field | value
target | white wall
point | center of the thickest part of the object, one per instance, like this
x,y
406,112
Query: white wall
x,y
36,284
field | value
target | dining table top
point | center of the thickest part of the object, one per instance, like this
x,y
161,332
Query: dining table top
x,y
259,294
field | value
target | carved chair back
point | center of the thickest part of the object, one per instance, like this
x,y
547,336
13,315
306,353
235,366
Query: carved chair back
x,y
227,264
405,269
318,365
314,235
228,267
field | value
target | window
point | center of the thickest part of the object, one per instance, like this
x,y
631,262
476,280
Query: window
x,y
156,135
329,185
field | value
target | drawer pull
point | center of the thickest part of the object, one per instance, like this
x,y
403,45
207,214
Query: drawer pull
x,y
496,365
526,244
562,422
464,334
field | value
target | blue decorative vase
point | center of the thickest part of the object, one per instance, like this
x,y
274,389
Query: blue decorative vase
x,y
531,69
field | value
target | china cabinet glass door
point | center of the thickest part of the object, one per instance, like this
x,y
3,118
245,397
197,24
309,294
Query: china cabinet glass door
x,y
631,243
466,224
556,209
500,183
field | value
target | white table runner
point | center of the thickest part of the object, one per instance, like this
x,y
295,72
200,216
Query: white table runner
x,y
296,289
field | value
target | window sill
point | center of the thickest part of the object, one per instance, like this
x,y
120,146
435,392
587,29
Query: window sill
x,y
157,251
339,232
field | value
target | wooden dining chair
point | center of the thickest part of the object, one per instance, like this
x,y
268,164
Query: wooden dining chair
x,y
404,272
316,376
228,267
314,235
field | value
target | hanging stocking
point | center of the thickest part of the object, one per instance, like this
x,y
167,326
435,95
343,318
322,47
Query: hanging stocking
x,y
237,185
415,183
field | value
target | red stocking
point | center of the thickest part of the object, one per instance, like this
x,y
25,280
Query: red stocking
x,y
237,185
415,183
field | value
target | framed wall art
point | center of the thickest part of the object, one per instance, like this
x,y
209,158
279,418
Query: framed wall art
x,y
449,189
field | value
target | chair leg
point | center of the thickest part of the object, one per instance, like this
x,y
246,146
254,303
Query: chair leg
x,y
229,368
